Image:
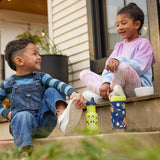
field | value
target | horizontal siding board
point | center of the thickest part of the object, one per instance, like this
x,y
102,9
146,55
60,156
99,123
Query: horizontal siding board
x,y
68,36
55,3
74,32
70,24
81,65
71,17
76,49
79,57
78,83
73,42
60,5
69,10
75,76
60,40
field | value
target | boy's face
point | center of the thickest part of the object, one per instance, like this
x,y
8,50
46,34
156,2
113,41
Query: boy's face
x,y
127,28
31,58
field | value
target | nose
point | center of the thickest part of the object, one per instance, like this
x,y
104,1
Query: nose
x,y
120,26
39,57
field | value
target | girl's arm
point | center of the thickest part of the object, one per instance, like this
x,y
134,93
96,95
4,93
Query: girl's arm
x,y
143,58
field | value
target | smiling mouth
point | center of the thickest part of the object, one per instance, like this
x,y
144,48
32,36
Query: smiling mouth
x,y
121,33
38,63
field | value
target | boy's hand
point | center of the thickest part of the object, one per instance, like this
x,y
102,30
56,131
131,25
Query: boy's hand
x,y
80,102
105,90
112,65
9,115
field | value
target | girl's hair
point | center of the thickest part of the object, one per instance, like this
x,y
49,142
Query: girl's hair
x,y
13,47
134,12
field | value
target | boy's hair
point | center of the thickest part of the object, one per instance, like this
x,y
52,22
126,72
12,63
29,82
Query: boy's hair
x,y
134,12
13,47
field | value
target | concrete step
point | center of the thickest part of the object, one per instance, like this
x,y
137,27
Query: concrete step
x,y
143,114
74,142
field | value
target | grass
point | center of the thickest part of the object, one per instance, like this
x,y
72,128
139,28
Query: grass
x,y
95,148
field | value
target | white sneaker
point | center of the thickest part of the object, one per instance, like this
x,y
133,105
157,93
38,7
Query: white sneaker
x,y
24,156
69,118
88,95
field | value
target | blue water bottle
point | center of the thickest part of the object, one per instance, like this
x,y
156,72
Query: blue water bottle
x,y
118,112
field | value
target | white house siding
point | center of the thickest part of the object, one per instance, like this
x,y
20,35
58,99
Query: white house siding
x,y
68,27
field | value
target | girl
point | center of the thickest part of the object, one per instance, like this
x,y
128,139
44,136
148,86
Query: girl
x,y
130,64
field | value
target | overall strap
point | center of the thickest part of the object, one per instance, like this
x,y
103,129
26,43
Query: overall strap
x,y
11,81
37,76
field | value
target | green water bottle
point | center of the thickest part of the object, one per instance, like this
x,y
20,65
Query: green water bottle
x,y
91,117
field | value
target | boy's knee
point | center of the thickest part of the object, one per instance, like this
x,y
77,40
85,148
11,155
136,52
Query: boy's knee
x,y
23,115
52,94
50,91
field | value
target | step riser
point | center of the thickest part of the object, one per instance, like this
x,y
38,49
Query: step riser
x,y
141,116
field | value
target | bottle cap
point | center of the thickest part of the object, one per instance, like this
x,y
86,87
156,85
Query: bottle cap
x,y
91,102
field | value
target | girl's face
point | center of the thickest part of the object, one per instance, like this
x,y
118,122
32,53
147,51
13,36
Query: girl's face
x,y
127,28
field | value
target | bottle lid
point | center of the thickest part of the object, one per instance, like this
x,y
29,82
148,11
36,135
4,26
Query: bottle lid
x,y
91,102
117,98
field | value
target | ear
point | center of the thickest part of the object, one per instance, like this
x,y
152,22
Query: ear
x,y
137,24
18,61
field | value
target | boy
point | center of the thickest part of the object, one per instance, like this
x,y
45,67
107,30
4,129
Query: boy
x,y
36,99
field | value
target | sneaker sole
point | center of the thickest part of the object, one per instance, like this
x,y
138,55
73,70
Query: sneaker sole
x,y
74,117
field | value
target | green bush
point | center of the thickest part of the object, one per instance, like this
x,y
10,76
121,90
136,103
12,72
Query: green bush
x,y
94,148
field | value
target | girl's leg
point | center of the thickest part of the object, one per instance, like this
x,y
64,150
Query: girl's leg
x,y
92,80
127,78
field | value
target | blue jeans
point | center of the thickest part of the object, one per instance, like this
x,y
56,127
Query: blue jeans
x,y
28,120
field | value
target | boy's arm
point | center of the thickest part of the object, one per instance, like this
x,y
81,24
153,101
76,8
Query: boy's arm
x,y
64,88
80,102
9,115
3,111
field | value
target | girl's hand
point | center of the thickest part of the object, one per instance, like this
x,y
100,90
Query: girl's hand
x,y
80,102
112,65
105,90
9,115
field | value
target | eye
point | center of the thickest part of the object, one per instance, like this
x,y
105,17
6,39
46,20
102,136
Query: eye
x,y
123,23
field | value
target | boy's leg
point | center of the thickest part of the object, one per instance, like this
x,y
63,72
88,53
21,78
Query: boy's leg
x,y
69,118
52,101
47,118
127,78
22,125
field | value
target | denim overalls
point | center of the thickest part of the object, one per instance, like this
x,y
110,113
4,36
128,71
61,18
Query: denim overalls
x,y
33,114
